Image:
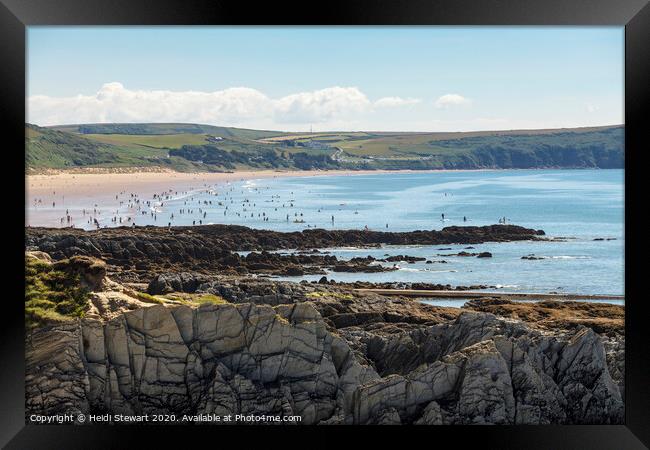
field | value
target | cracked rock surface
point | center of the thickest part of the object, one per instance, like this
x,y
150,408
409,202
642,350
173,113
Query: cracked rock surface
x,y
247,358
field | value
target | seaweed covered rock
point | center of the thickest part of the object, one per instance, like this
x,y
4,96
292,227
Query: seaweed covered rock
x,y
213,246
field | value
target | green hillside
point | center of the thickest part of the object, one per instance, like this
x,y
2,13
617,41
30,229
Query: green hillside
x,y
191,147
47,148
601,147
165,129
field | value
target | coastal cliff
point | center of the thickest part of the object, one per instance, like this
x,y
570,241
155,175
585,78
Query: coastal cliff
x,y
283,360
325,353
204,148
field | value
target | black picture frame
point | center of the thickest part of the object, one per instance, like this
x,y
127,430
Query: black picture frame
x,y
16,15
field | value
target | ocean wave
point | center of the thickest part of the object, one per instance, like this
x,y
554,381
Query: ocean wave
x,y
564,257
408,269
568,257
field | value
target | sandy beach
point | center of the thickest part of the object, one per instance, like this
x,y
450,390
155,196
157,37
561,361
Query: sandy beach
x,y
95,183
50,196
76,185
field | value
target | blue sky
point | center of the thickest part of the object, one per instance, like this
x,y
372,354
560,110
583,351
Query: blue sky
x,y
361,78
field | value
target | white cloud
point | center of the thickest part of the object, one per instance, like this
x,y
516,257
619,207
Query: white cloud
x,y
392,102
115,103
237,106
450,100
333,108
321,106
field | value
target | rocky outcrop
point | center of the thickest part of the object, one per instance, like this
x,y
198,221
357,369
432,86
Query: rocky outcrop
x,y
142,250
287,360
464,253
176,282
339,307
189,281
403,258
213,359
321,351
506,372
557,315
409,285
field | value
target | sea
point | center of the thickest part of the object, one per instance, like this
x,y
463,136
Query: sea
x,y
583,209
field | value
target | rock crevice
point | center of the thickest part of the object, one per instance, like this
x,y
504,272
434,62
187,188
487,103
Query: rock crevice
x,y
286,360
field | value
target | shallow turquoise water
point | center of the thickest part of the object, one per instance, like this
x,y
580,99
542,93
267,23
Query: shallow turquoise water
x,y
580,204
459,303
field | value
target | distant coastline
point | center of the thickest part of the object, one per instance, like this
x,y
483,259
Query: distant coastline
x,y
100,181
205,148
139,171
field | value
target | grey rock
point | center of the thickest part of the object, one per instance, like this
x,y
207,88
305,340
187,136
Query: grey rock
x,y
286,360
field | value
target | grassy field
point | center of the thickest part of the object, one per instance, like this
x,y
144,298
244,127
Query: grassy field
x,y
145,140
441,143
192,147
165,128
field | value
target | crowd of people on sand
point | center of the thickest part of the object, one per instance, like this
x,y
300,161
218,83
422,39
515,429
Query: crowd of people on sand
x,y
198,204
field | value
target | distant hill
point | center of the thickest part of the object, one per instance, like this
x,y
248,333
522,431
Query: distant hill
x,y
193,147
47,148
165,129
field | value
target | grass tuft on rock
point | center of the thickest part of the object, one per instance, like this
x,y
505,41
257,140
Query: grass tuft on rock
x,y
339,295
210,298
148,298
195,299
52,295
